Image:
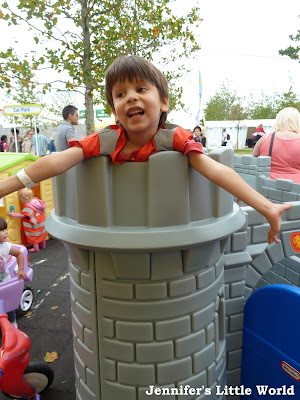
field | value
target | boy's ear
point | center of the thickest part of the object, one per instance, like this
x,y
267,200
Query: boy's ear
x,y
165,105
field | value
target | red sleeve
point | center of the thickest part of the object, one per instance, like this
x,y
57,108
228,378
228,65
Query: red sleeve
x,y
180,137
183,141
90,145
190,145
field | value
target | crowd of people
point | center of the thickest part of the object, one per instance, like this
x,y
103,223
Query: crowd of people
x,y
35,143
31,142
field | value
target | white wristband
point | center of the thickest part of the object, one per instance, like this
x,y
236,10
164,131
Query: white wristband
x,y
24,178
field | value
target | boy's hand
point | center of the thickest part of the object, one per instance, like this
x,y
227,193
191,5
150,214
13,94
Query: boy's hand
x,y
8,213
274,219
22,274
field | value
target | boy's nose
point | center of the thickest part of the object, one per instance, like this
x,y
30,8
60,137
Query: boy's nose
x,y
131,96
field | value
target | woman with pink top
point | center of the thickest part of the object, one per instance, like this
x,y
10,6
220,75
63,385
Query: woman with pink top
x,y
283,145
33,219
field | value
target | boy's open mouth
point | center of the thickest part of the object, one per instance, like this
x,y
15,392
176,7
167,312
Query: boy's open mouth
x,y
133,113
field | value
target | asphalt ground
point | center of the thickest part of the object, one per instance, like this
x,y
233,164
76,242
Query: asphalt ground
x,y
49,324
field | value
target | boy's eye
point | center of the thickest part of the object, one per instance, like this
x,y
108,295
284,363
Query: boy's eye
x,y
142,89
120,94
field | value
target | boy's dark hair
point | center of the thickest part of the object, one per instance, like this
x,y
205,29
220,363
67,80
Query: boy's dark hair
x,y
68,110
3,137
134,68
13,131
3,224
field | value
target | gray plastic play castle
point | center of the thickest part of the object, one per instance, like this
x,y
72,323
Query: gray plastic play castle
x,y
161,263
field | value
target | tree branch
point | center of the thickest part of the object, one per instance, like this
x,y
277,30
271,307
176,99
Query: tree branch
x,y
45,33
104,11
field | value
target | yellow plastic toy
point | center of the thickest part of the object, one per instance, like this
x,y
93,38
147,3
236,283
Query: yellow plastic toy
x,y
10,164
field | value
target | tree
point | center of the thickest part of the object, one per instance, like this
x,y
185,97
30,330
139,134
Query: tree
x,y
269,106
84,37
237,113
224,105
287,99
261,109
292,51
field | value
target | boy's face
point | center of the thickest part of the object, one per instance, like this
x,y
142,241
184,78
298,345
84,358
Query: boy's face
x,y
3,235
138,107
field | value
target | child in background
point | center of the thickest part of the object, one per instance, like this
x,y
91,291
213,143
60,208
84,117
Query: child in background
x,y
3,143
33,218
6,249
137,93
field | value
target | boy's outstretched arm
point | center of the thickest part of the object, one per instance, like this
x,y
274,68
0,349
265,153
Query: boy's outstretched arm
x,y
229,180
44,168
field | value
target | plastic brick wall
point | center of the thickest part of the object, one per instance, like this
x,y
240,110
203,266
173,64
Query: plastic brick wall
x,y
154,301
147,274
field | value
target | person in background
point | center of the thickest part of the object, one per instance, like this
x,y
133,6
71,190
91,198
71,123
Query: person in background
x,y
283,145
6,249
259,132
224,137
40,143
27,145
12,146
3,143
51,146
65,131
197,134
203,139
33,218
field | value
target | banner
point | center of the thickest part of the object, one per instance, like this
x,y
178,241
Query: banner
x,y
200,96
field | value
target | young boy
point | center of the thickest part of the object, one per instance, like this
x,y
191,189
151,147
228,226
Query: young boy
x,y
137,93
33,218
6,249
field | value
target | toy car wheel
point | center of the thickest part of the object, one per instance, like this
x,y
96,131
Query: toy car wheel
x,y
26,299
39,375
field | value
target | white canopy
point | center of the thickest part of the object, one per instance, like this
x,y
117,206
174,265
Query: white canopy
x,y
236,129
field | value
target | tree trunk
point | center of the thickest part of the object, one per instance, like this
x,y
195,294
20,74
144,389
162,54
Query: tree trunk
x,y
87,70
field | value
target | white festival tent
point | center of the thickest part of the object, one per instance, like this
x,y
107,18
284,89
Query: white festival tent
x,y
238,131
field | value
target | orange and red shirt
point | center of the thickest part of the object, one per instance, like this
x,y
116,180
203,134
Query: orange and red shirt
x,y
111,141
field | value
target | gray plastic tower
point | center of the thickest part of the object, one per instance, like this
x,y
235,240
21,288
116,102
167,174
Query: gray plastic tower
x,y
147,276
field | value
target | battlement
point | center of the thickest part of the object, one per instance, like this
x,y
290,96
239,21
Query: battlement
x,y
161,264
256,170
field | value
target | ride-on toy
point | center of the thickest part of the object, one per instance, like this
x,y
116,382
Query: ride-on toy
x,y
17,293
19,377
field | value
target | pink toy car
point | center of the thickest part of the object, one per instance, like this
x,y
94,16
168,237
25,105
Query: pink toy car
x,y
19,377
17,293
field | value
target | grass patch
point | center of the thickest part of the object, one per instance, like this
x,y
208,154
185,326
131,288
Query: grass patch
x,y
243,151
240,152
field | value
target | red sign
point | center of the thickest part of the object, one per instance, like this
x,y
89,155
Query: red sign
x,y
295,241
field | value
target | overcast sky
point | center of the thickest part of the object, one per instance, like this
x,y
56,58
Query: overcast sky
x,y
239,41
